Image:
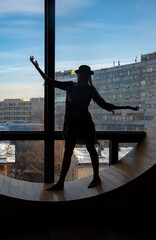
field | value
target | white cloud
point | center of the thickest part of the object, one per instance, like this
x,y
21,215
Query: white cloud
x,y
95,25
10,55
65,7
16,32
21,6
20,22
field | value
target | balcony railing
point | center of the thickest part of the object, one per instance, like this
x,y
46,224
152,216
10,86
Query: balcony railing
x,y
114,137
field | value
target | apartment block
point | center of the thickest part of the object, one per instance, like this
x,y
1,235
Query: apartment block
x,y
131,84
21,110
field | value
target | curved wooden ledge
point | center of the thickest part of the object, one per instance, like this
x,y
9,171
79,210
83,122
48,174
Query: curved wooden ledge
x,y
134,164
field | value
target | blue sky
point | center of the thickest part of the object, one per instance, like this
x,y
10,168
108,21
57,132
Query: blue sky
x,y
93,32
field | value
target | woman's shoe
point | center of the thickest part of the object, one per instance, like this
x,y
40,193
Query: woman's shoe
x,y
94,182
56,187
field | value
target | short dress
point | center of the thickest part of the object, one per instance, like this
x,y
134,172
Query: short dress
x,y
78,124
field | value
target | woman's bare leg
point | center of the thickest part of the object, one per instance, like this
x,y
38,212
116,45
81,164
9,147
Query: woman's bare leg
x,y
95,163
69,147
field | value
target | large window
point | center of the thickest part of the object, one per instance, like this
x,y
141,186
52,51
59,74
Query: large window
x,y
103,34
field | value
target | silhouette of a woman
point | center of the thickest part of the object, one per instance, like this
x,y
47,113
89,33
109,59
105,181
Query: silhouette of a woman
x,y
78,124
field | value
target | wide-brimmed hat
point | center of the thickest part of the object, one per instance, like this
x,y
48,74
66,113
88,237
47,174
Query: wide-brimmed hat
x,y
84,68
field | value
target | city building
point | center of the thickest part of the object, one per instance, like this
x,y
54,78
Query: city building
x,y
22,110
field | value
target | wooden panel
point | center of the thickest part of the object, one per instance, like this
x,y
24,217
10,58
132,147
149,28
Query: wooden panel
x,y
1,181
38,191
113,179
13,189
21,190
118,174
5,186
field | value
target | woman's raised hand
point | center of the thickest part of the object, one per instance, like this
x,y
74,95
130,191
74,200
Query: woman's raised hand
x,y
35,63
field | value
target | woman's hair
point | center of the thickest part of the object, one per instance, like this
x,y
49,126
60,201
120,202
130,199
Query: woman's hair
x,y
90,80
91,83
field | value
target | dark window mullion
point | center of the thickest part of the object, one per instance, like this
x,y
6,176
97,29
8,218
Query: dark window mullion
x,y
49,92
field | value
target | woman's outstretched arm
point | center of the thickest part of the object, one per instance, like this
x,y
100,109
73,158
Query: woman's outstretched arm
x,y
51,82
126,107
108,106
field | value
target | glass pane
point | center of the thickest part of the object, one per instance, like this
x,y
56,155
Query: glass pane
x,y
21,88
22,160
